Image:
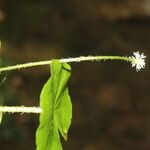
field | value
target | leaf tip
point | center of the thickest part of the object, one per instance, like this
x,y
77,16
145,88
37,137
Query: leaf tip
x,y
65,136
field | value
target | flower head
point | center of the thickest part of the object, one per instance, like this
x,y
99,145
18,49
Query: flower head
x,y
138,60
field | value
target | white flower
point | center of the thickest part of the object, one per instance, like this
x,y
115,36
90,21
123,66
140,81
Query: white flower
x,y
138,60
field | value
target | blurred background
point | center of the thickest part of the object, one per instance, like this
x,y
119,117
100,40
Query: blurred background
x,y
110,99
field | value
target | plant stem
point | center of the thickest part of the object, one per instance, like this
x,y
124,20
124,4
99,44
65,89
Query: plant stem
x,y
20,109
76,59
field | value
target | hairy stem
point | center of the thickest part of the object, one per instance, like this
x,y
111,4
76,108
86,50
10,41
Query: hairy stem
x,y
20,109
76,59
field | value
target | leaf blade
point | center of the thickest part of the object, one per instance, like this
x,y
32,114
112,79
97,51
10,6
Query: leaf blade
x,y
56,108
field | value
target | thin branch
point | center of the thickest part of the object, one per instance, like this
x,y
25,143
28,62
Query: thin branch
x,y
20,109
76,59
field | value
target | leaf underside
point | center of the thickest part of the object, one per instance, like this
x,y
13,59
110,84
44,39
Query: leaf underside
x,y
56,108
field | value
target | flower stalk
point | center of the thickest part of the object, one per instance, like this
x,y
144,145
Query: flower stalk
x,y
137,60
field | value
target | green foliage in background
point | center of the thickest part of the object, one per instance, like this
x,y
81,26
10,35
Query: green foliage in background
x,y
9,128
56,108
3,87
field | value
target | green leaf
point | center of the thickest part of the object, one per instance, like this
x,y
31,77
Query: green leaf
x,y
56,108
